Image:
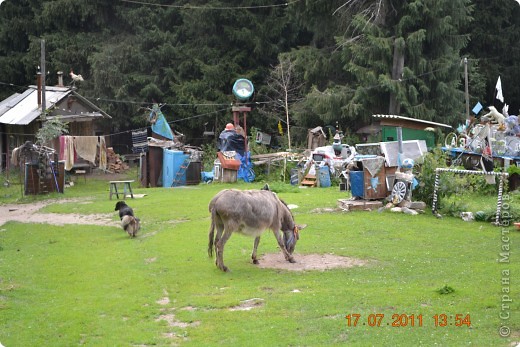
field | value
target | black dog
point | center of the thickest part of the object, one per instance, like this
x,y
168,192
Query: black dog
x,y
124,209
129,222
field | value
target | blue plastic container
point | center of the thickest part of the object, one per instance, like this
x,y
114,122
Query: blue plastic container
x,y
324,176
356,183
172,162
294,176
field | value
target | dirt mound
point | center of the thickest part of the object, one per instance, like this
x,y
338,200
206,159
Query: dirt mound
x,y
309,262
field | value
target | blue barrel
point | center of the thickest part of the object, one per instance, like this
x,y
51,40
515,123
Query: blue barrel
x,y
356,183
324,176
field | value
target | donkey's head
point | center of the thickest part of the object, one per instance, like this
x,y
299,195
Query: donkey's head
x,y
291,231
291,236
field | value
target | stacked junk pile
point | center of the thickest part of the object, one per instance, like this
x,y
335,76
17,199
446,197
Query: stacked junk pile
x,y
375,173
233,159
164,160
42,172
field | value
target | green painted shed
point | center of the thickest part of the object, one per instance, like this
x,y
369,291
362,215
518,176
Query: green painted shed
x,y
412,129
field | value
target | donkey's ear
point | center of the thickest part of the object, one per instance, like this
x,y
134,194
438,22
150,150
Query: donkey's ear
x,y
266,187
301,226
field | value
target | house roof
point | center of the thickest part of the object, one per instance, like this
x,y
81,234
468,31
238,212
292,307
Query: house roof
x,y
393,119
22,109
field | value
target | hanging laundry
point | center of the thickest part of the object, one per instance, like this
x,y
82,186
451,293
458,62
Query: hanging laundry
x,y
139,141
280,129
15,156
67,152
86,147
102,153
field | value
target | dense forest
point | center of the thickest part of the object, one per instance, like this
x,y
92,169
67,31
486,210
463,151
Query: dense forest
x,y
346,59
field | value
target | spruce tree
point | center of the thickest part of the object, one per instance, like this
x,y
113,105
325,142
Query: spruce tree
x,y
409,63
401,57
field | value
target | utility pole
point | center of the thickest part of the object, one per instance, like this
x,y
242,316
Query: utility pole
x,y
42,64
466,88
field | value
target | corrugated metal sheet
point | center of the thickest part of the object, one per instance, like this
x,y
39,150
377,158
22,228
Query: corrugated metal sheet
x,y
22,109
411,120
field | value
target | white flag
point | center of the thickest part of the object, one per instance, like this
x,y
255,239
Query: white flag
x,y
499,90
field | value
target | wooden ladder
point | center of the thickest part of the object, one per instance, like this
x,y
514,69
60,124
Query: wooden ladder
x,y
309,181
182,169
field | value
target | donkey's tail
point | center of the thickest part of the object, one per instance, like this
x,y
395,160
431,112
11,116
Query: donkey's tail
x,y
211,235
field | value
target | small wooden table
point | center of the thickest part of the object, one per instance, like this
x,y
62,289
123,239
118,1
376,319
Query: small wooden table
x,y
81,172
126,187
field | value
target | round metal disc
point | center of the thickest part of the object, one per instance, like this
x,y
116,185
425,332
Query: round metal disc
x,y
451,140
399,191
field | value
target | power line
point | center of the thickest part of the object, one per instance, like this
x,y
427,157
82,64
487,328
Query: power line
x,y
252,103
141,128
190,7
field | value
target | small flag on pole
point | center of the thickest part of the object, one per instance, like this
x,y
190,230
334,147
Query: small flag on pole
x,y
478,107
498,88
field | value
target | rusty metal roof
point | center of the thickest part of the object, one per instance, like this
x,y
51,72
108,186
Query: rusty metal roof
x,y
22,109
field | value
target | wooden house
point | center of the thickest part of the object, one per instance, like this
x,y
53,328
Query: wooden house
x,y
21,116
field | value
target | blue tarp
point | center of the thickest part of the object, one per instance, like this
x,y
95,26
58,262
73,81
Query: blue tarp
x,y
245,172
229,140
159,124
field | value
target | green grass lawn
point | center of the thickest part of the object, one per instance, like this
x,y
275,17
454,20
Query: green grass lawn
x,y
93,285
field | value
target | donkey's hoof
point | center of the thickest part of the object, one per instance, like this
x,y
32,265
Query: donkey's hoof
x,y
291,260
256,262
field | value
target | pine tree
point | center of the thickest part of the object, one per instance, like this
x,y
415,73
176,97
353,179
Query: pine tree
x,y
410,63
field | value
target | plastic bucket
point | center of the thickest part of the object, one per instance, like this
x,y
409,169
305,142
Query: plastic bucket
x,y
324,176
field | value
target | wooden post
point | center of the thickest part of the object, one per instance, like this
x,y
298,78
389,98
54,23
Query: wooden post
x,y
466,87
237,110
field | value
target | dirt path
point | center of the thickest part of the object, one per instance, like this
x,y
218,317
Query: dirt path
x,y
309,262
28,213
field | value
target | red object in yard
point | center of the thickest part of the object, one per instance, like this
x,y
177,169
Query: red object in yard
x,y
517,225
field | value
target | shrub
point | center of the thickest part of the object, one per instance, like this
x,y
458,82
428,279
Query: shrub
x,y
450,183
425,174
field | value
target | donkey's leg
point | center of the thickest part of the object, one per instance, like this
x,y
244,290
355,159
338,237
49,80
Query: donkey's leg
x,y
286,254
219,247
220,228
255,247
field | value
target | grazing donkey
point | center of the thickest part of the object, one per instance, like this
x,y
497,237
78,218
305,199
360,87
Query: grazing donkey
x,y
250,212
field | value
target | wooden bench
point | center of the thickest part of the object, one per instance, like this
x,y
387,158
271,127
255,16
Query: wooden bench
x,y
127,187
